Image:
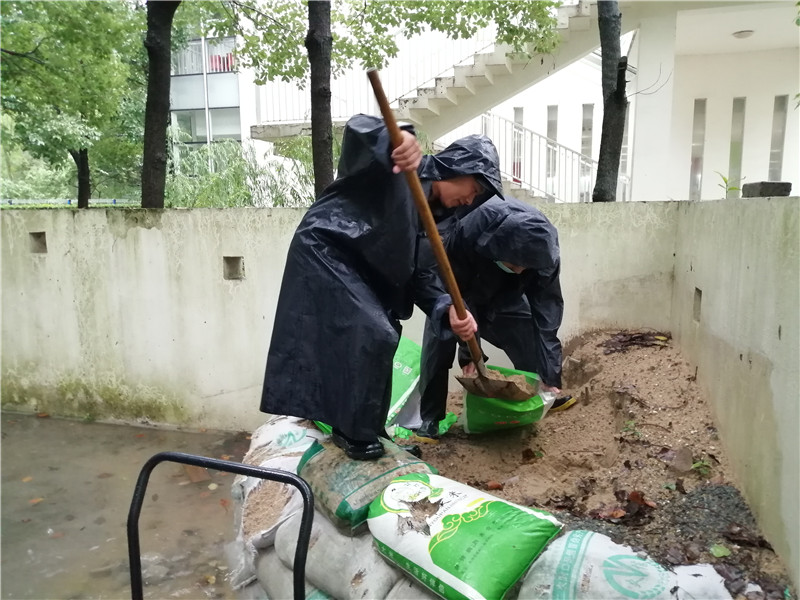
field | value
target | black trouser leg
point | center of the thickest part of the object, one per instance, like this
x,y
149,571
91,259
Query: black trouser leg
x,y
436,360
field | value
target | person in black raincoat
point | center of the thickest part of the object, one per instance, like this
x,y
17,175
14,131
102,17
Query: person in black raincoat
x,y
505,257
351,275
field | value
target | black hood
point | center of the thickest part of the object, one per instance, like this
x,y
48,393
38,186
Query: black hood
x,y
511,231
470,155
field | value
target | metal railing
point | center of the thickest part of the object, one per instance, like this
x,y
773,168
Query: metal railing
x,y
543,166
285,477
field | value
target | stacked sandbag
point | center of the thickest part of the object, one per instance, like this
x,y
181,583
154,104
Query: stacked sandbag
x,y
344,488
344,567
457,541
465,543
583,565
261,505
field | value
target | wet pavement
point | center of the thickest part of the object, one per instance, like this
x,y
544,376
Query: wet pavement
x,y
66,492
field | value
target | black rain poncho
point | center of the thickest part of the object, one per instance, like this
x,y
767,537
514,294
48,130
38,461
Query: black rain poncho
x,y
520,314
351,274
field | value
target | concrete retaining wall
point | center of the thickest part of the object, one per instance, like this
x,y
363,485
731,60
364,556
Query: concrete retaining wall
x,y
166,316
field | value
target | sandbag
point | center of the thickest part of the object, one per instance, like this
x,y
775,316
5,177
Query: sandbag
x,y
455,540
277,580
405,380
280,435
583,565
261,505
492,414
343,566
343,488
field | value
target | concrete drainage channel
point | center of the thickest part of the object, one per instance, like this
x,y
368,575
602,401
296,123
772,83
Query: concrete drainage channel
x,y
393,528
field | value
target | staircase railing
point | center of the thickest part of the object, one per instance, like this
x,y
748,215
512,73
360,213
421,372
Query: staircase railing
x,y
546,168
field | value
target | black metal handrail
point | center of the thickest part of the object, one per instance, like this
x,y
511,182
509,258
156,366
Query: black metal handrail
x,y
303,537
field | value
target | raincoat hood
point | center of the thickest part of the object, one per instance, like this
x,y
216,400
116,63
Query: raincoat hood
x,y
514,232
470,155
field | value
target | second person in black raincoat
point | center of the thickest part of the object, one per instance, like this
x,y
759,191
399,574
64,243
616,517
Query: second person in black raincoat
x,y
351,275
506,260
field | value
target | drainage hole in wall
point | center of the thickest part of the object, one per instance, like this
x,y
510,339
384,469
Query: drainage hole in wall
x,y
233,267
698,301
38,242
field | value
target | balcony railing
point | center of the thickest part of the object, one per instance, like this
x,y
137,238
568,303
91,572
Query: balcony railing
x,y
220,57
548,169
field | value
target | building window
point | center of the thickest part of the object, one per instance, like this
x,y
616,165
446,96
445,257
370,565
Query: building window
x,y
190,126
586,152
552,136
698,147
517,148
737,143
779,115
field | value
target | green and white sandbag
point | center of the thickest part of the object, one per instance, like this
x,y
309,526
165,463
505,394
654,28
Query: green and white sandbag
x,y
458,541
492,414
583,565
344,488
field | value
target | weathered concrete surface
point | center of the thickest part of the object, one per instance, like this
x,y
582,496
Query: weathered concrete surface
x,y
127,315
736,316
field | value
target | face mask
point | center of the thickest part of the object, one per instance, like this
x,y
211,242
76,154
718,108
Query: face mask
x,y
500,264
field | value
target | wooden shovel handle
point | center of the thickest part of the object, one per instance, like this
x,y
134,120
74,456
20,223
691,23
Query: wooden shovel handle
x,y
425,213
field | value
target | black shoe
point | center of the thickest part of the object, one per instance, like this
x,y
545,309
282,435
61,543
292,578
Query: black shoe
x,y
356,449
428,429
563,403
412,449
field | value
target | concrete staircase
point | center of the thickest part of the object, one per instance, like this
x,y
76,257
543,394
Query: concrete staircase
x,y
491,77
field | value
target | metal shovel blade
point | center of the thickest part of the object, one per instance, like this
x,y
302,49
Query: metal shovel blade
x,y
491,384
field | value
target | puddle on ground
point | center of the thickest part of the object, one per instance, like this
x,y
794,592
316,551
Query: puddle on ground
x,y
66,492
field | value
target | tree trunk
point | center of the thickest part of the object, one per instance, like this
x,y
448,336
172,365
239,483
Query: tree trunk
x,y
81,158
615,103
156,116
318,44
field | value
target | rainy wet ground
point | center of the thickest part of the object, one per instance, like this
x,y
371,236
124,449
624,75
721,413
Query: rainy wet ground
x,y
66,492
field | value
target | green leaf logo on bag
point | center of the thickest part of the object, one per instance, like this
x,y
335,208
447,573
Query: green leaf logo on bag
x,y
635,577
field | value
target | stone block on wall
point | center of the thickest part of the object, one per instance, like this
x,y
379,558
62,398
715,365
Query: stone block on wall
x,y
766,189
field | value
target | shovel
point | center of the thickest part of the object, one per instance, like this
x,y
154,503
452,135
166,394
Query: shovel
x,y
486,383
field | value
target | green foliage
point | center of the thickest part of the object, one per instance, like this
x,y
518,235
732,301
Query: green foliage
x,y
227,174
23,176
364,32
719,551
727,185
72,75
630,427
702,467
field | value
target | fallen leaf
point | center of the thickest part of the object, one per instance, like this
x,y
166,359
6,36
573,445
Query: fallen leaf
x,y
492,485
27,479
35,500
42,415
719,551
139,435
224,503
679,485
226,457
528,455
